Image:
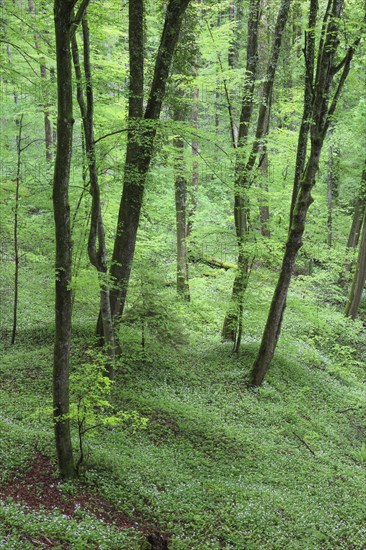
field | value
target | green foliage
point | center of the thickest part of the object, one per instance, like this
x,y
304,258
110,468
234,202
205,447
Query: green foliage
x,y
91,406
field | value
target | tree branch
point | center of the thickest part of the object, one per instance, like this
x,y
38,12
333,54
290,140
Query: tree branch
x,y
79,15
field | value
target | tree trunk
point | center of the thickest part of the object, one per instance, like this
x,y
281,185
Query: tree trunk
x,y
233,321
195,165
141,138
16,224
264,48
357,218
43,71
294,243
358,213
330,197
323,108
230,326
63,14
359,277
65,25
181,205
96,243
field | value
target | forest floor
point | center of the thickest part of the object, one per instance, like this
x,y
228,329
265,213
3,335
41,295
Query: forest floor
x,y
215,465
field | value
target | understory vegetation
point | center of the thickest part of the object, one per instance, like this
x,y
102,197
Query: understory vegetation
x,y
214,465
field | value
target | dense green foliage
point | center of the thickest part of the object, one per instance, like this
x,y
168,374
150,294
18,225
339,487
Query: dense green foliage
x,y
178,439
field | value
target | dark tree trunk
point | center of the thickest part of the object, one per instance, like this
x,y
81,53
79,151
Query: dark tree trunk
x,y
141,137
63,14
65,25
323,108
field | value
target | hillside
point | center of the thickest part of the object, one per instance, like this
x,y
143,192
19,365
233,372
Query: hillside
x,y
217,464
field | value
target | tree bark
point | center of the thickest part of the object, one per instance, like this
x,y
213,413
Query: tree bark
x,y
358,213
294,243
16,236
330,179
323,108
195,164
230,326
63,16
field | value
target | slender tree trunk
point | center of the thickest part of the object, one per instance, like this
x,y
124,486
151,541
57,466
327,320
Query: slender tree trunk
x,y
140,146
359,277
195,165
96,243
264,49
294,242
357,218
230,326
358,213
181,204
65,25
323,108
43,71
233,321
263,204
16,224
63,14
330,179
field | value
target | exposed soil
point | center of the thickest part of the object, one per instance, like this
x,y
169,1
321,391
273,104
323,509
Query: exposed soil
x,y
38,488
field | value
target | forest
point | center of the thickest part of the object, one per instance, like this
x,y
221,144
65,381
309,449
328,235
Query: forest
x,y
182,273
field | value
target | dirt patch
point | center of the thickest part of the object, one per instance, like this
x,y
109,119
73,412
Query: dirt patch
x,y
38,488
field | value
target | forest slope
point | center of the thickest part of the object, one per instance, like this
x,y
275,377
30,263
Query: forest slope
x,y
218,465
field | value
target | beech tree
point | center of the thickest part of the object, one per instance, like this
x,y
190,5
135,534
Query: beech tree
x,y
65,25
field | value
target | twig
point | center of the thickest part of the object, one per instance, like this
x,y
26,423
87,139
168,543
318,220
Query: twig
x,y
348,409
304,443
